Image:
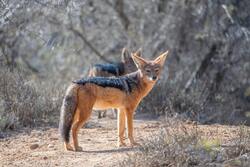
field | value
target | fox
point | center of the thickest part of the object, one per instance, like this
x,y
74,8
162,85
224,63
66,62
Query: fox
x,y
123,93
126,66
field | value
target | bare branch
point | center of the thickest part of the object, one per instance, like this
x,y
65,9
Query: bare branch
x,y
79,34
202,67
119,8
27,63
244,30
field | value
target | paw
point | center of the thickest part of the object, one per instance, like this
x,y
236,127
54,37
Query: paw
x,y
78,148
121,144
133,144
68,147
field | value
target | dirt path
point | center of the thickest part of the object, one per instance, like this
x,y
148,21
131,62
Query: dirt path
x,y
98,141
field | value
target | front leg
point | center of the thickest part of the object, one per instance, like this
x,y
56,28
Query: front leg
x,y
130,117
121,127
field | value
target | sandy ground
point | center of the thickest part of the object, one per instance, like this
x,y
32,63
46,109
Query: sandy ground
x,y
98,140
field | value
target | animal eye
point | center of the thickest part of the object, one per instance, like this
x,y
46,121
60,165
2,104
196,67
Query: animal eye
x,y
156,70
148,71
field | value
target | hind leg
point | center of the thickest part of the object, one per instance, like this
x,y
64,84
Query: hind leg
x,y
82,115
78,126
104,114
75,136
99,114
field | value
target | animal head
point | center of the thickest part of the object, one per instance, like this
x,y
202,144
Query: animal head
x,y
129,65
150,69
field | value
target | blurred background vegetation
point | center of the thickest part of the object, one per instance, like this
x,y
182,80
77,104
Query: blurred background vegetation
x,y
45,44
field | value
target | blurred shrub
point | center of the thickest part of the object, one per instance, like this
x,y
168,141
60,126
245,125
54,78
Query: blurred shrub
x,y
167,100
24,102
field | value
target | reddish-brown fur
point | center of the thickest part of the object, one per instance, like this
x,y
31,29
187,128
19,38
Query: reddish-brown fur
x,y
89,96
127,65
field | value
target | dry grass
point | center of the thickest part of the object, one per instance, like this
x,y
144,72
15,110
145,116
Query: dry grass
x,y
27,103
164,99
180,144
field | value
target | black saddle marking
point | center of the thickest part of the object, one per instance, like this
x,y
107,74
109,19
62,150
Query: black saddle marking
x,y
123,83
115,69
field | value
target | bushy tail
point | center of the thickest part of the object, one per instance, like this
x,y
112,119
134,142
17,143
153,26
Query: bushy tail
x,y
67,112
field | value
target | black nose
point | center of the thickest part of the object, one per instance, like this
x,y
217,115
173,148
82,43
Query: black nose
x,y
154,77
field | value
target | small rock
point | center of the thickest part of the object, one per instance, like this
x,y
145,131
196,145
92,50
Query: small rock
x,y
34,146
50,146
53,138
45,157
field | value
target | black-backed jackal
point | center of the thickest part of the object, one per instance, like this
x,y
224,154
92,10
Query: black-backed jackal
x,y
126,66
123,93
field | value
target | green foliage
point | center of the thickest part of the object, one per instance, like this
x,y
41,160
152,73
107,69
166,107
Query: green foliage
x,y
208,145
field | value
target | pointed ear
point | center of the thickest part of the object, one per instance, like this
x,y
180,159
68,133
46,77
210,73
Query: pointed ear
x,y
139,62
161,59
138,52
125,55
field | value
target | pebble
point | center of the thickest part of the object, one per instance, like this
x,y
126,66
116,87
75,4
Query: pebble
x,y
34,146
50,146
